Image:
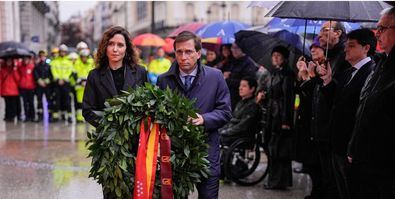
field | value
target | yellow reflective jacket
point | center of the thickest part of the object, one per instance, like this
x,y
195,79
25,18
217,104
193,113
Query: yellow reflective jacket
x,y
61,68
82,69
159,66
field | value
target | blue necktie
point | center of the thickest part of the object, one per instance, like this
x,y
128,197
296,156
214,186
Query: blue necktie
x,y
188,82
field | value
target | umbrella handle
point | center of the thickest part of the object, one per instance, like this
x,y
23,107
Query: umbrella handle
x,y
327,42
304,36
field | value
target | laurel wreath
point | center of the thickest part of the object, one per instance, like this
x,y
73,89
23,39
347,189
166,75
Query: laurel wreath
x,y
113,145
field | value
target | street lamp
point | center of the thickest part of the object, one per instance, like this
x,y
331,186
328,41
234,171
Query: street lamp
x,y
223,6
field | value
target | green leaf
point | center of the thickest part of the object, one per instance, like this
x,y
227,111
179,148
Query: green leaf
x,y
186,151
118,192
113,145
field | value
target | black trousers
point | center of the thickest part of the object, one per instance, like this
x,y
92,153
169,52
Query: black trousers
x,y
340,165
208,188
62,98
367,182
40,92
280,166
12,107
313,167
321,172
28,102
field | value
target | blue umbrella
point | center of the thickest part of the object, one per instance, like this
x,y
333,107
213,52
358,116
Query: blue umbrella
x,y
224,30
298,25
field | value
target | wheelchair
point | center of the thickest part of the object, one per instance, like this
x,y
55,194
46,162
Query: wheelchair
x,y
246,160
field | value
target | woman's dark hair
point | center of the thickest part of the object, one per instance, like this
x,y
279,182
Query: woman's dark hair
x,y
225,62
215,61
130,58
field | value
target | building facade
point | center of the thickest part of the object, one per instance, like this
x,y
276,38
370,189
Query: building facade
x,y
9,21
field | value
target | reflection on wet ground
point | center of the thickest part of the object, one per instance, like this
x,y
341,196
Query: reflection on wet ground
x,y
50,161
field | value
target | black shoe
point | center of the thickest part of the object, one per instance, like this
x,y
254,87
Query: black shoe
x,y
53,120
8,119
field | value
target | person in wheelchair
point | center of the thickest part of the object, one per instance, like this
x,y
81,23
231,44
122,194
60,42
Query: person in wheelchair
x,y
246,116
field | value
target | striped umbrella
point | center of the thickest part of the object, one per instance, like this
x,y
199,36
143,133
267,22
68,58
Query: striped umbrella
x,y
148,39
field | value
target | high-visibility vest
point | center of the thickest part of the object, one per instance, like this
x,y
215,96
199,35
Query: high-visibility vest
x,y
61,68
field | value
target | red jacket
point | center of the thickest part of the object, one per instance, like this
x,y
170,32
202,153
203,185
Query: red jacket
x,y
27,78
9,78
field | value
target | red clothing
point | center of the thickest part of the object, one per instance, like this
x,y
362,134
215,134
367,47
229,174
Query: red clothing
x,y
9,78
27,78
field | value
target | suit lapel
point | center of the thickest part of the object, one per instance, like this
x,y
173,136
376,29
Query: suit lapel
x,y
360,73
107,81
130,81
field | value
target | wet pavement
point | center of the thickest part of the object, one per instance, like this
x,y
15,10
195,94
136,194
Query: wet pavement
x,y
40,161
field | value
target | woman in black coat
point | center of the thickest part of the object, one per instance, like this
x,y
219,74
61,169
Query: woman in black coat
x,y
116,70
281,103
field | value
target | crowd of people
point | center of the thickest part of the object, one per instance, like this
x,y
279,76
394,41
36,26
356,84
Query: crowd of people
x,y
58,77
332,112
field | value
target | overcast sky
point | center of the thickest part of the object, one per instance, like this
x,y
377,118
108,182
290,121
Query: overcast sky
x,y
69,8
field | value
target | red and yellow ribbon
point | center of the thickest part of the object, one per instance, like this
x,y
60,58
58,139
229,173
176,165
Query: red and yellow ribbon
x,y
147,160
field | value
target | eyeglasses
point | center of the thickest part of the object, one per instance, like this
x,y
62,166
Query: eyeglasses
x,y
381,29
187,53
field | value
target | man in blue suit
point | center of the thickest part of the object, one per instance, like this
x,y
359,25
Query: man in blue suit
x,y
207,86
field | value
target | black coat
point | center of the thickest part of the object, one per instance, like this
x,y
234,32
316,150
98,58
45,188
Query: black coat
x,y
42,70
281,99
373,139
245,120
240,68
321,104
302,135
344,106
100,87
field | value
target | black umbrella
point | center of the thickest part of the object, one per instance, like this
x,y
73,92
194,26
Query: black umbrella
x,y
352,11
13,49
259,46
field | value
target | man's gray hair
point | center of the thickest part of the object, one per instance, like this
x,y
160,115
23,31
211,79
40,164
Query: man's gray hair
x,y
389,11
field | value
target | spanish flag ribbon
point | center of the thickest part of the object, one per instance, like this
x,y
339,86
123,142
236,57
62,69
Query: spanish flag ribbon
x,y
147,160
165,164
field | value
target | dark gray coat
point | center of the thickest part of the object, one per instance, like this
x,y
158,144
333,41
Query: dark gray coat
x,y
212,97
373,140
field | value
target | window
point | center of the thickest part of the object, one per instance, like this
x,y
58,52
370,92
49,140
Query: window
x,y
190,12
235,12
141,10
215,12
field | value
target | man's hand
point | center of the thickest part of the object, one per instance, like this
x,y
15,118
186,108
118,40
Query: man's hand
x,y
197,121
260,96
302,68
349,159
41,83
226,74
285,127
327,76
311,69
